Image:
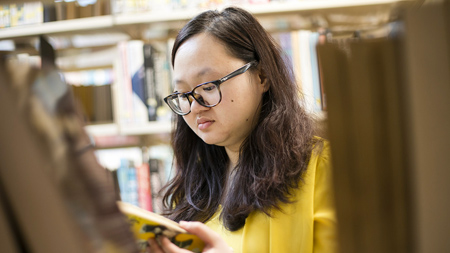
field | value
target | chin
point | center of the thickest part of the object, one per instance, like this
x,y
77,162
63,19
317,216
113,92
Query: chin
x,y
210,141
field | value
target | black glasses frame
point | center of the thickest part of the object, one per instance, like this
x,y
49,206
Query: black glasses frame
x,y
217,83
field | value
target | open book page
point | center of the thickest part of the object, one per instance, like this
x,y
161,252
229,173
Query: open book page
x,y
146,224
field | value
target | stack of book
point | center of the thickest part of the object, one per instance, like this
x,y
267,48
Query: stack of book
x,y
17,14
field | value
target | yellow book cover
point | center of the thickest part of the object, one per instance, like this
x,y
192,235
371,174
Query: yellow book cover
x,y
146,224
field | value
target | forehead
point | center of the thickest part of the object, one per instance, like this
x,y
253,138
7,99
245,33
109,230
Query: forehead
x,y
200,53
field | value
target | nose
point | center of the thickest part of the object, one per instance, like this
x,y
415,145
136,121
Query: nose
x,y
196,107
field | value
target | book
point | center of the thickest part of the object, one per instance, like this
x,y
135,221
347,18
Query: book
x,y
146,225
151,98
317,93
427,65
129,79
128,184
144,188
367,127
306,74
29,183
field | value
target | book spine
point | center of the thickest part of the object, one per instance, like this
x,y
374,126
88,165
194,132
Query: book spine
x,y
5,20
61,10
285,41
123,85
127,178
122,178
317,93
132,185
135,62
102,104
150,82
71,10
306,72
143,175
16,14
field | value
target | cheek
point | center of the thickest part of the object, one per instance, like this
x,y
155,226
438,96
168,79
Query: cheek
x,y
191,121
244,100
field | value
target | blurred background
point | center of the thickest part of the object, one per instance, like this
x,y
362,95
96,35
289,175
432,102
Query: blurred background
x,y
373,73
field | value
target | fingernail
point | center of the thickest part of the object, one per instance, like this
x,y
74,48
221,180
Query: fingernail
x,y
184,223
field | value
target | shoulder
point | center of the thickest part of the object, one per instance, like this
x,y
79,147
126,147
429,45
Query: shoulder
x,y
319,171
320,151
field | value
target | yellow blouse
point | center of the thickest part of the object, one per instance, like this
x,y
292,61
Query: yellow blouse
x,y
307,225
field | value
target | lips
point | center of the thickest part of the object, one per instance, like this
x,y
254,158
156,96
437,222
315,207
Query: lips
x,y
203,123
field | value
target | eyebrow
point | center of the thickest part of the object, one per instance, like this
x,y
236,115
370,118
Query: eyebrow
x,y
199,74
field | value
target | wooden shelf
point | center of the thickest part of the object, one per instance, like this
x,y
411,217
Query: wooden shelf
x,y
319,5
118,20
63,26
103,130
157,127
114,129
153,17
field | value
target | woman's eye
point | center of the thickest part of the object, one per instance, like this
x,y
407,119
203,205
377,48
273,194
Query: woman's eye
x,y
183,96
209,88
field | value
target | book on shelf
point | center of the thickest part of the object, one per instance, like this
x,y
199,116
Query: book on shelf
x,y
140,185
131,107
80,213
95,101
427,48
299,51
157,181
366,130
388,122
36,12
18,14
65,10
144,187
128,182
142,79
27,183
150,93
145,225
138,179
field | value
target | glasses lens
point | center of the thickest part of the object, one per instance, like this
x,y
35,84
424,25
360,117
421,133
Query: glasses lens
x,y
179,103
207,94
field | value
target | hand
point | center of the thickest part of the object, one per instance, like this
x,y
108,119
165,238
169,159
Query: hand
x,y
213,242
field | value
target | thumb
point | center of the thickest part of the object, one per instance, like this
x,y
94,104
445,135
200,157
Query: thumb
x,y
199,229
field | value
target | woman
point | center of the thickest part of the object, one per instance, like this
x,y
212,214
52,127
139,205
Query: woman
x,y
248,165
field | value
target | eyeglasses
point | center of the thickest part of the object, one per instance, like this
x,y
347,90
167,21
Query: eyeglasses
x,y
206,94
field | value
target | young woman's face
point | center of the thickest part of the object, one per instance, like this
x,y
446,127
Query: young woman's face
x,y
202,59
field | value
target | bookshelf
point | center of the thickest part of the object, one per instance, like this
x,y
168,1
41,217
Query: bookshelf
x,y
58,27
115,21
172,20
103,129
136,25
388,124
158,127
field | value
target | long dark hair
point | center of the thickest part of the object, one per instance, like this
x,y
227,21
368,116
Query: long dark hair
x,y
272,158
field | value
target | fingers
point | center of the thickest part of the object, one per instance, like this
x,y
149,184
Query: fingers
x,y
213,241
206,234
168,246
154,246
164,245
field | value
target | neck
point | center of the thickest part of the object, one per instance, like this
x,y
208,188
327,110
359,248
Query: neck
x,y
233,155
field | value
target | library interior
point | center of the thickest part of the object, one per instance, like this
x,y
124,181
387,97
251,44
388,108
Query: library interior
x,y
84,124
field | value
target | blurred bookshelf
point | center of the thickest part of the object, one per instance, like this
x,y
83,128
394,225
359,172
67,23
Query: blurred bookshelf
x,y
278,9
88,44
388,133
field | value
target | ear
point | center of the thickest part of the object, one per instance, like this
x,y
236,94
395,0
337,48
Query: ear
x,y
263,79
